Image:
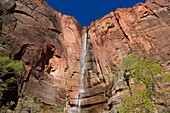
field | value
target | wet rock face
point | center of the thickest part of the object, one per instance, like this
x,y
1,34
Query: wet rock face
x,y
49,44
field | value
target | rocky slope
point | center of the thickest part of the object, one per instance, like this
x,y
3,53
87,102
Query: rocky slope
x,y
49,45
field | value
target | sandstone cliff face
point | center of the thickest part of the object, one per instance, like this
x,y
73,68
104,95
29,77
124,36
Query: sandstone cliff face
x,y
143,29
47,42
49,45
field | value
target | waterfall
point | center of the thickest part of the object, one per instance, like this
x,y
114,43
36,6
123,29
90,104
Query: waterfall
x,y
82,72
83,63
81,89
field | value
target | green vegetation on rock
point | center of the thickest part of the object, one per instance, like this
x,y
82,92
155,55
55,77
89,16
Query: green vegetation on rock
x,y
28,104
10,74
139,102
140,70
143,73
6,63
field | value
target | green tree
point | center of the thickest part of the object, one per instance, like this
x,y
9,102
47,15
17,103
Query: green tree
x,y
10,71
141,72
6,64
139,102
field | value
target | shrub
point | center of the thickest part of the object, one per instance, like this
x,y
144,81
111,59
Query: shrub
x,y
140,102
7,63
10,71
142,72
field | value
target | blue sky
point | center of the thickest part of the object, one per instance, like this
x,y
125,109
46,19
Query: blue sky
x,y
86,11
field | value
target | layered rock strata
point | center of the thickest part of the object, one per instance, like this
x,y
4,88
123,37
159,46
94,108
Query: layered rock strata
x,y
49,45
142,29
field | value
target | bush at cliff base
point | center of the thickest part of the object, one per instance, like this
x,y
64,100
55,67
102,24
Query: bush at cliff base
x,y
144,73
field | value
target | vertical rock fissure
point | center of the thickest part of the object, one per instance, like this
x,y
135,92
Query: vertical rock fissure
x,y
117,19
147,7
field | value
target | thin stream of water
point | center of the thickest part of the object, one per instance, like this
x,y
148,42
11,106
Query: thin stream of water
x,y
82,72
83,63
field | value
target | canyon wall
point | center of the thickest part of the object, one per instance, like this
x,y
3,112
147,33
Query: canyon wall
x,y
142,29
49,45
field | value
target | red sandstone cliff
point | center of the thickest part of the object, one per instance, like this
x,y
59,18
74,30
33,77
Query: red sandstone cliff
x,y
143,29
49,44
